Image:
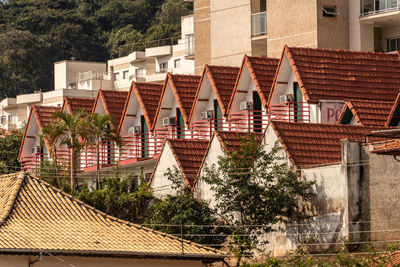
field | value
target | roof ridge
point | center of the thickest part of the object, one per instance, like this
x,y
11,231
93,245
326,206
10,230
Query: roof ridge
x,y
12,197
137,226
339,50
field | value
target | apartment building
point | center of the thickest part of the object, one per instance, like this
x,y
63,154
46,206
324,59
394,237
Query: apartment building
x,y
225,30
151,61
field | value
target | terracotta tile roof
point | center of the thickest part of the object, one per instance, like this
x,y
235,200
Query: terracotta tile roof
x,y
38,217
310,144
189,154
394,260
43,114
73,104
114,102
223,80
232,141
367,112
394,111
389,148
262,71
148,95
325,74
184,87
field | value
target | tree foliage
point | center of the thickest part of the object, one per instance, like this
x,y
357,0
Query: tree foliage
x,y
35,34
183,214
9,149
120,197
254,189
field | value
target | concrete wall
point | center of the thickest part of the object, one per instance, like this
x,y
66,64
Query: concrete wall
x,y
333,32
48,261
202,34
291,22
66,72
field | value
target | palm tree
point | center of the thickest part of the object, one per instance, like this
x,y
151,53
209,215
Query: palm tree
x,y
51,135
73,130
99,130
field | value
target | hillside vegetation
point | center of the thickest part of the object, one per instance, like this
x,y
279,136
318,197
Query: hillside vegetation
x,y
35,34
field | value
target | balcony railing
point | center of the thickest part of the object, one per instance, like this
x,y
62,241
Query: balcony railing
x,y
259,24
32,163
137,147
290,112
90,75
369,7
204,129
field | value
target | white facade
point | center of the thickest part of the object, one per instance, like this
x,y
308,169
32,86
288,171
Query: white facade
x,y
153,63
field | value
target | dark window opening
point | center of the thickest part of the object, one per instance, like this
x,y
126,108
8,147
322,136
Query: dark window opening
x,y
347,117
263,5
330,11
393,44
396,117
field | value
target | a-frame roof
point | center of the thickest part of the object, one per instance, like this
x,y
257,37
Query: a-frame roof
x,y
36,217
148,95
184,88
262,71
394,111
222,80
73,104
326,74
366,112
189,155
315,144
43,115
113,102
231,141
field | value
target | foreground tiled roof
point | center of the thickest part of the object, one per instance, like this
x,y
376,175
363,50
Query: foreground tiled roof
x,y
189,154
310,144
223,80
262,71
367,112
114,103
184,87
38,217
73,104
231,141
148,95
325,74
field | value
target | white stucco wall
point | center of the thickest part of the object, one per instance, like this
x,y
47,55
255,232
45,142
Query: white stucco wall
x,y
160,184
48,261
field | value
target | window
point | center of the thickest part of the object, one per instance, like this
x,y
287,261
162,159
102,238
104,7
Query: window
x,y
116,76
125,74
139,73
263,5
329,11
190,44
177,63
163,67
393,44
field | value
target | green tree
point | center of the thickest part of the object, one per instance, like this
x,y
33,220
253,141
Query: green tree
x,y
254,189
122,198
99,130
183,214
73,132
9,150
122,39
25,63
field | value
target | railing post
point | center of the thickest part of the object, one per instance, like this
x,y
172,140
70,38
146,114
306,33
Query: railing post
x,y
249,120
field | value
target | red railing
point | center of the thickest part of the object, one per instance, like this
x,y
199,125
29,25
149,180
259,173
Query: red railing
x,y
137,147
170,132
290,112
108,156
33,162
248,121
204,129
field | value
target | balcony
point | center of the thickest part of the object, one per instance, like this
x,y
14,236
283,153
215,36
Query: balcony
x,y
290,112
370,7
258,24
137,147
90,75
204,129
32,163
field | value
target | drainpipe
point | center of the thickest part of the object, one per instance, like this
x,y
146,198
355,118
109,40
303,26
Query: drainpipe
x,y
39,258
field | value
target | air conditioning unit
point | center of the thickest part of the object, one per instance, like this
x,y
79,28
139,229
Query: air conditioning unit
x,y
168,121
35,150
207,115
246,105
134,130
285,98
